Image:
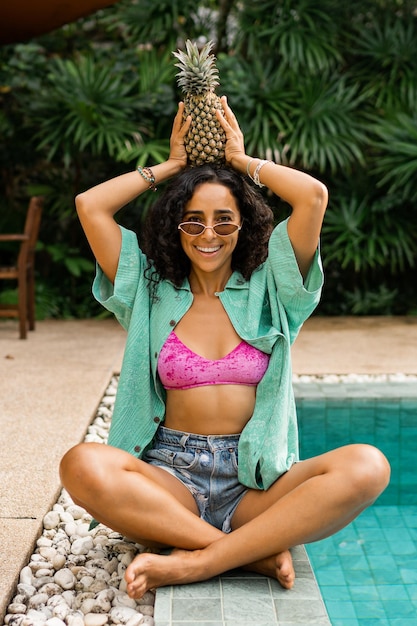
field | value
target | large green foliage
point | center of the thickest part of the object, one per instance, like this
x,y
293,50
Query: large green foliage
x,y
330,88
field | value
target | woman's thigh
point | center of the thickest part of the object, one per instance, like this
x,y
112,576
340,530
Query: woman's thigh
x,y
358,468
103,468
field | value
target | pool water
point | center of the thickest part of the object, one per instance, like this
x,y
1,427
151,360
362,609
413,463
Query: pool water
x,y
367,572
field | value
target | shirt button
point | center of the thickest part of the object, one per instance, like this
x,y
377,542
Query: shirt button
x,y
172,323
156,420
137,448
156,355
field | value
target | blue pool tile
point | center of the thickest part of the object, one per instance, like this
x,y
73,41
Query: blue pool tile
x,y
340,609
392,592
353,563
371,534
397,608
326,577
363,592
408,575
402,547
337,592
375,547
373,609
359,577
412,591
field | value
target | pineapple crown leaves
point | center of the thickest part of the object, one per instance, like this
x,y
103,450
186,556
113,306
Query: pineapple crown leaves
x,y
198,73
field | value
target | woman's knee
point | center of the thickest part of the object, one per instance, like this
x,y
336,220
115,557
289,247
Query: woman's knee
x,y
370,469
80,463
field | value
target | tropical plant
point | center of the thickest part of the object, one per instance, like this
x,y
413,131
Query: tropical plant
x,y
396,157
84,106
363,233
327,87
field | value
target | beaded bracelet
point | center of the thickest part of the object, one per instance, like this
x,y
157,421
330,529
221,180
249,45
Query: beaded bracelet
x,y
147,174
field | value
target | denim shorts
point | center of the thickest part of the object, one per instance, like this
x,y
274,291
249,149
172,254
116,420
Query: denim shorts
x,y
207,466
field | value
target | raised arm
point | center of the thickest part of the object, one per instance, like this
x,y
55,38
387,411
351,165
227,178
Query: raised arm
x,y
97,207
306,195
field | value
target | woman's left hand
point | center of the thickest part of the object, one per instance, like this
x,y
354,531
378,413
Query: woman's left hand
x,y
235,145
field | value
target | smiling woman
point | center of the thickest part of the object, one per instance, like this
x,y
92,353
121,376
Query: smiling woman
x,y
203,452
22,19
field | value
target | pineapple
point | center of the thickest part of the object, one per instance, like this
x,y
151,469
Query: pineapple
x,y
205,141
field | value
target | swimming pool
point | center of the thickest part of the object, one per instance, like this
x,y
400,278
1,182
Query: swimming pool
x,y
367,572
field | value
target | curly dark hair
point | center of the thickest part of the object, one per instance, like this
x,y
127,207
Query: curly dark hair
x,y
160,239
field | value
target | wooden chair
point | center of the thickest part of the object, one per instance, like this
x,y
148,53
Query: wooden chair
x,y
24,270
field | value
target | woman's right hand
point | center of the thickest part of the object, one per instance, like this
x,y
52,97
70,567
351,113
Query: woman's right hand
x,y
180,129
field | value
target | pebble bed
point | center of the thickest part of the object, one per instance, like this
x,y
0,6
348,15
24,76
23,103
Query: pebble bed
x,y
75,577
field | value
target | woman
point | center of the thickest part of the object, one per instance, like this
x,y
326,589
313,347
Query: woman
x,y
203,443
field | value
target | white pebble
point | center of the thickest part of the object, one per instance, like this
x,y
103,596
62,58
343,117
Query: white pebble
x,y
17,607
95,619
25,590
36,618
69,597
51,589
122,614
51,520
55,621
38,600
75,619
42,572
147,598
58,561
122,599
136,620
47,552
146,609
146,619
89,605
82,545
71,528
86,582
65,578
76,511
83,530
26,576
61,611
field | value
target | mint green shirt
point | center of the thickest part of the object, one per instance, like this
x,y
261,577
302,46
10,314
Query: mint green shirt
x,y
267,311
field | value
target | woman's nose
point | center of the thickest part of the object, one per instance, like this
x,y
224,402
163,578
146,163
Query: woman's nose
x,y
209,233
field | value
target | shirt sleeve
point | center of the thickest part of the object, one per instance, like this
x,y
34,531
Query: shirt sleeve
x,y
120,297
299,298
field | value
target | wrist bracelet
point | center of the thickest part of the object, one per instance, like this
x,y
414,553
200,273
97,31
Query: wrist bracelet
x,y
260,165
147,175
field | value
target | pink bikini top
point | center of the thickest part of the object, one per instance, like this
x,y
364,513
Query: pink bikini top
x,y
180,368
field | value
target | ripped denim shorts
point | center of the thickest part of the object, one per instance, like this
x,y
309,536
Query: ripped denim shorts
x,y
207,466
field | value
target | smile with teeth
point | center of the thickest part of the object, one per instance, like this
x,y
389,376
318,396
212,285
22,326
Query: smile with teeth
x,y
208,250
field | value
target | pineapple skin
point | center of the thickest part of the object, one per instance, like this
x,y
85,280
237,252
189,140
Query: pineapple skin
x,y
205,141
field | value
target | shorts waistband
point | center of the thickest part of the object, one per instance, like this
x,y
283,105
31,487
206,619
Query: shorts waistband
x,y
204,442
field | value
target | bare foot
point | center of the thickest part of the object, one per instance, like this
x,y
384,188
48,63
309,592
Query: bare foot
x,y
148,571
280,567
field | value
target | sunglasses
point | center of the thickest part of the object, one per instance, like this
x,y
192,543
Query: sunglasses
x,y
196,228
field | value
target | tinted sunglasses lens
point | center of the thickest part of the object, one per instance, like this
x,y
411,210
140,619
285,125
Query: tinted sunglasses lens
x,y
225,229
192,228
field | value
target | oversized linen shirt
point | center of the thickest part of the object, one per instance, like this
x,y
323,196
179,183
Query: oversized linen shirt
x,y
267,312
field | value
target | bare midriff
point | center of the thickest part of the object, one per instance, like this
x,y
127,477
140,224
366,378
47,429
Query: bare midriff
x,y
210,410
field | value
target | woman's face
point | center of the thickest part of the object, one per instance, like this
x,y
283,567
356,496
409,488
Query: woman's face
x,y
211,204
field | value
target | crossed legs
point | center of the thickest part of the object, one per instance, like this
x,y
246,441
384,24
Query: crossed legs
x,y
313,500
